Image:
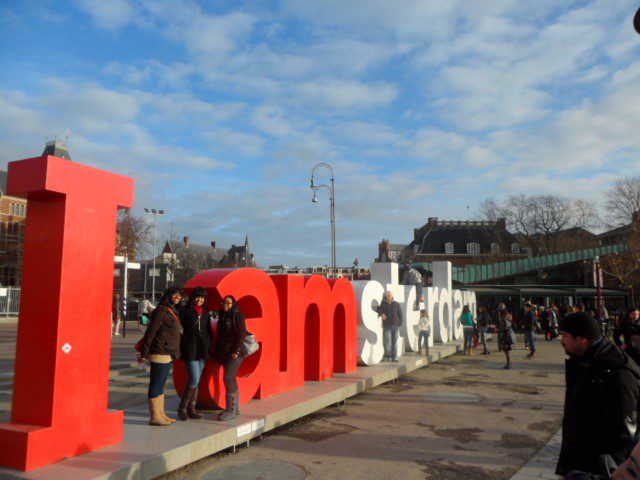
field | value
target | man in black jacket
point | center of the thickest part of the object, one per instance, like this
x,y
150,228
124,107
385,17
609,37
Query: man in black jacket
x,y
600,409
391,314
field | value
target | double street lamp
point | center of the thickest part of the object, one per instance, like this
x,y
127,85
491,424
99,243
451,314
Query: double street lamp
x,y
155,213
332,212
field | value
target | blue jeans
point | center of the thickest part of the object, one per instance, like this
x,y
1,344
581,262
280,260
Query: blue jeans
x,y
423,337
194,369
157,379
468,337
483,338
391,341
530,337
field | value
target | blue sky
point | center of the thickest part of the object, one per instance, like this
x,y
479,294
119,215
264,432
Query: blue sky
x,y
219,110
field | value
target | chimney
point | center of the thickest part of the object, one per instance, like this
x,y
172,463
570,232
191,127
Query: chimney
x,y
501,224
186,241
635,217
213,245
433,223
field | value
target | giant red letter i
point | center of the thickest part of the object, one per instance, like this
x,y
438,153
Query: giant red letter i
x,y
61,380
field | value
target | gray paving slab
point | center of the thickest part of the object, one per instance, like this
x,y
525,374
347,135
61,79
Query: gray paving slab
x,y
148,452
543,465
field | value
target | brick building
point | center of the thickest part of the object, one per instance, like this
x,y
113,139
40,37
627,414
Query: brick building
x,y
463,242
13,216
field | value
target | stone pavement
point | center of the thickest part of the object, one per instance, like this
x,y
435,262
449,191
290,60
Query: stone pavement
x,y
543,465
463,418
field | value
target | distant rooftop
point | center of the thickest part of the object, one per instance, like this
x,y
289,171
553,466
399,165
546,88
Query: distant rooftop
x,y
56,149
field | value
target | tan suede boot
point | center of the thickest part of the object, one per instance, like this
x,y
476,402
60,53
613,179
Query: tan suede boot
x,y
154,413
162,411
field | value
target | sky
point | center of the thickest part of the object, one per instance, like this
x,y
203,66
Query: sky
x,y
219,110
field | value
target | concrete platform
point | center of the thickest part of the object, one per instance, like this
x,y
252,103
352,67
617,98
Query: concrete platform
x,y
148,452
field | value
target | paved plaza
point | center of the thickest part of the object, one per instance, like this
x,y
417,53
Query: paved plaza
x,y
462,417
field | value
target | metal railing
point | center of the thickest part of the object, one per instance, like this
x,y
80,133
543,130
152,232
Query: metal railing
x,y
9,301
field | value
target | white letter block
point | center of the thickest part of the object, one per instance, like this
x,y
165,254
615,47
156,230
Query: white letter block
x,y
368,296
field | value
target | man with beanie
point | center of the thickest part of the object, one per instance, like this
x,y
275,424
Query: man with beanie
x,y
600,408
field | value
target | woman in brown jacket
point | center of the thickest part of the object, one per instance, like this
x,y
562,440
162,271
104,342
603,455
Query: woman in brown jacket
x,y
161,345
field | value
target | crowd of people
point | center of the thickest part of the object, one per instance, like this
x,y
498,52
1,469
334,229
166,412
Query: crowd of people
x,y
600,422
182,330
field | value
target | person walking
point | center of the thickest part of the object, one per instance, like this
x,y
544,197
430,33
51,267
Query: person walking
x,y
391,314
629,330
468,327
483,323
232,331
195,346
530,325
115,314
601,398
161,346
506,336
425,332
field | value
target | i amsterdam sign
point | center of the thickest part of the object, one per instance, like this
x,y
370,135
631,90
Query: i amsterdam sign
x,y
308,327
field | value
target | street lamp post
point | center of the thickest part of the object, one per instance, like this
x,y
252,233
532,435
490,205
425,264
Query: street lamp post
x,y
332,212
155,213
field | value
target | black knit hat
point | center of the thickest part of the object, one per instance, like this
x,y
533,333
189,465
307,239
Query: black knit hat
x,y
581,324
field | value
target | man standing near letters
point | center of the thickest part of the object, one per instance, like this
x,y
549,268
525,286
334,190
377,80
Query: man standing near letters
x,y
391,314
601,401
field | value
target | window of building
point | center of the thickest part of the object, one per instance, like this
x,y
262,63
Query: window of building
x,y
473,248
495,248
515,248
18,209
448,248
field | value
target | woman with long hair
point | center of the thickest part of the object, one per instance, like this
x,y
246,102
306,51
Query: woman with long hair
x,y
195,345
161,346
468,326
232,331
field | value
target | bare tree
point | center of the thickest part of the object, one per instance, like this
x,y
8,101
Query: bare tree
x,y
623,200
624,266
540,219
133,234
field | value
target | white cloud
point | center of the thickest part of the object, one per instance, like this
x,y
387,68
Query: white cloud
x,y
109,14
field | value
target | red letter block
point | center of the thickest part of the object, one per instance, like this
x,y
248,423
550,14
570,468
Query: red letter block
x,y
258,301
61,380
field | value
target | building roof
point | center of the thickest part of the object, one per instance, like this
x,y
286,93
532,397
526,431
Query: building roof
x,y
56,149
178,247
461,233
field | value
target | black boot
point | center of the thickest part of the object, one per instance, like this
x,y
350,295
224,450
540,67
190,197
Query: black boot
x,y
230,412
191,407
237,399
184,402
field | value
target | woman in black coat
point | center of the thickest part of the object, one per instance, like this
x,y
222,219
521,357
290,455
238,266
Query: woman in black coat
x,y
232,331
195,345
629,329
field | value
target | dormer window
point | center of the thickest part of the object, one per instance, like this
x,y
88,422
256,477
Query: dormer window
x,y
515,248
473,248
448,248
495,248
